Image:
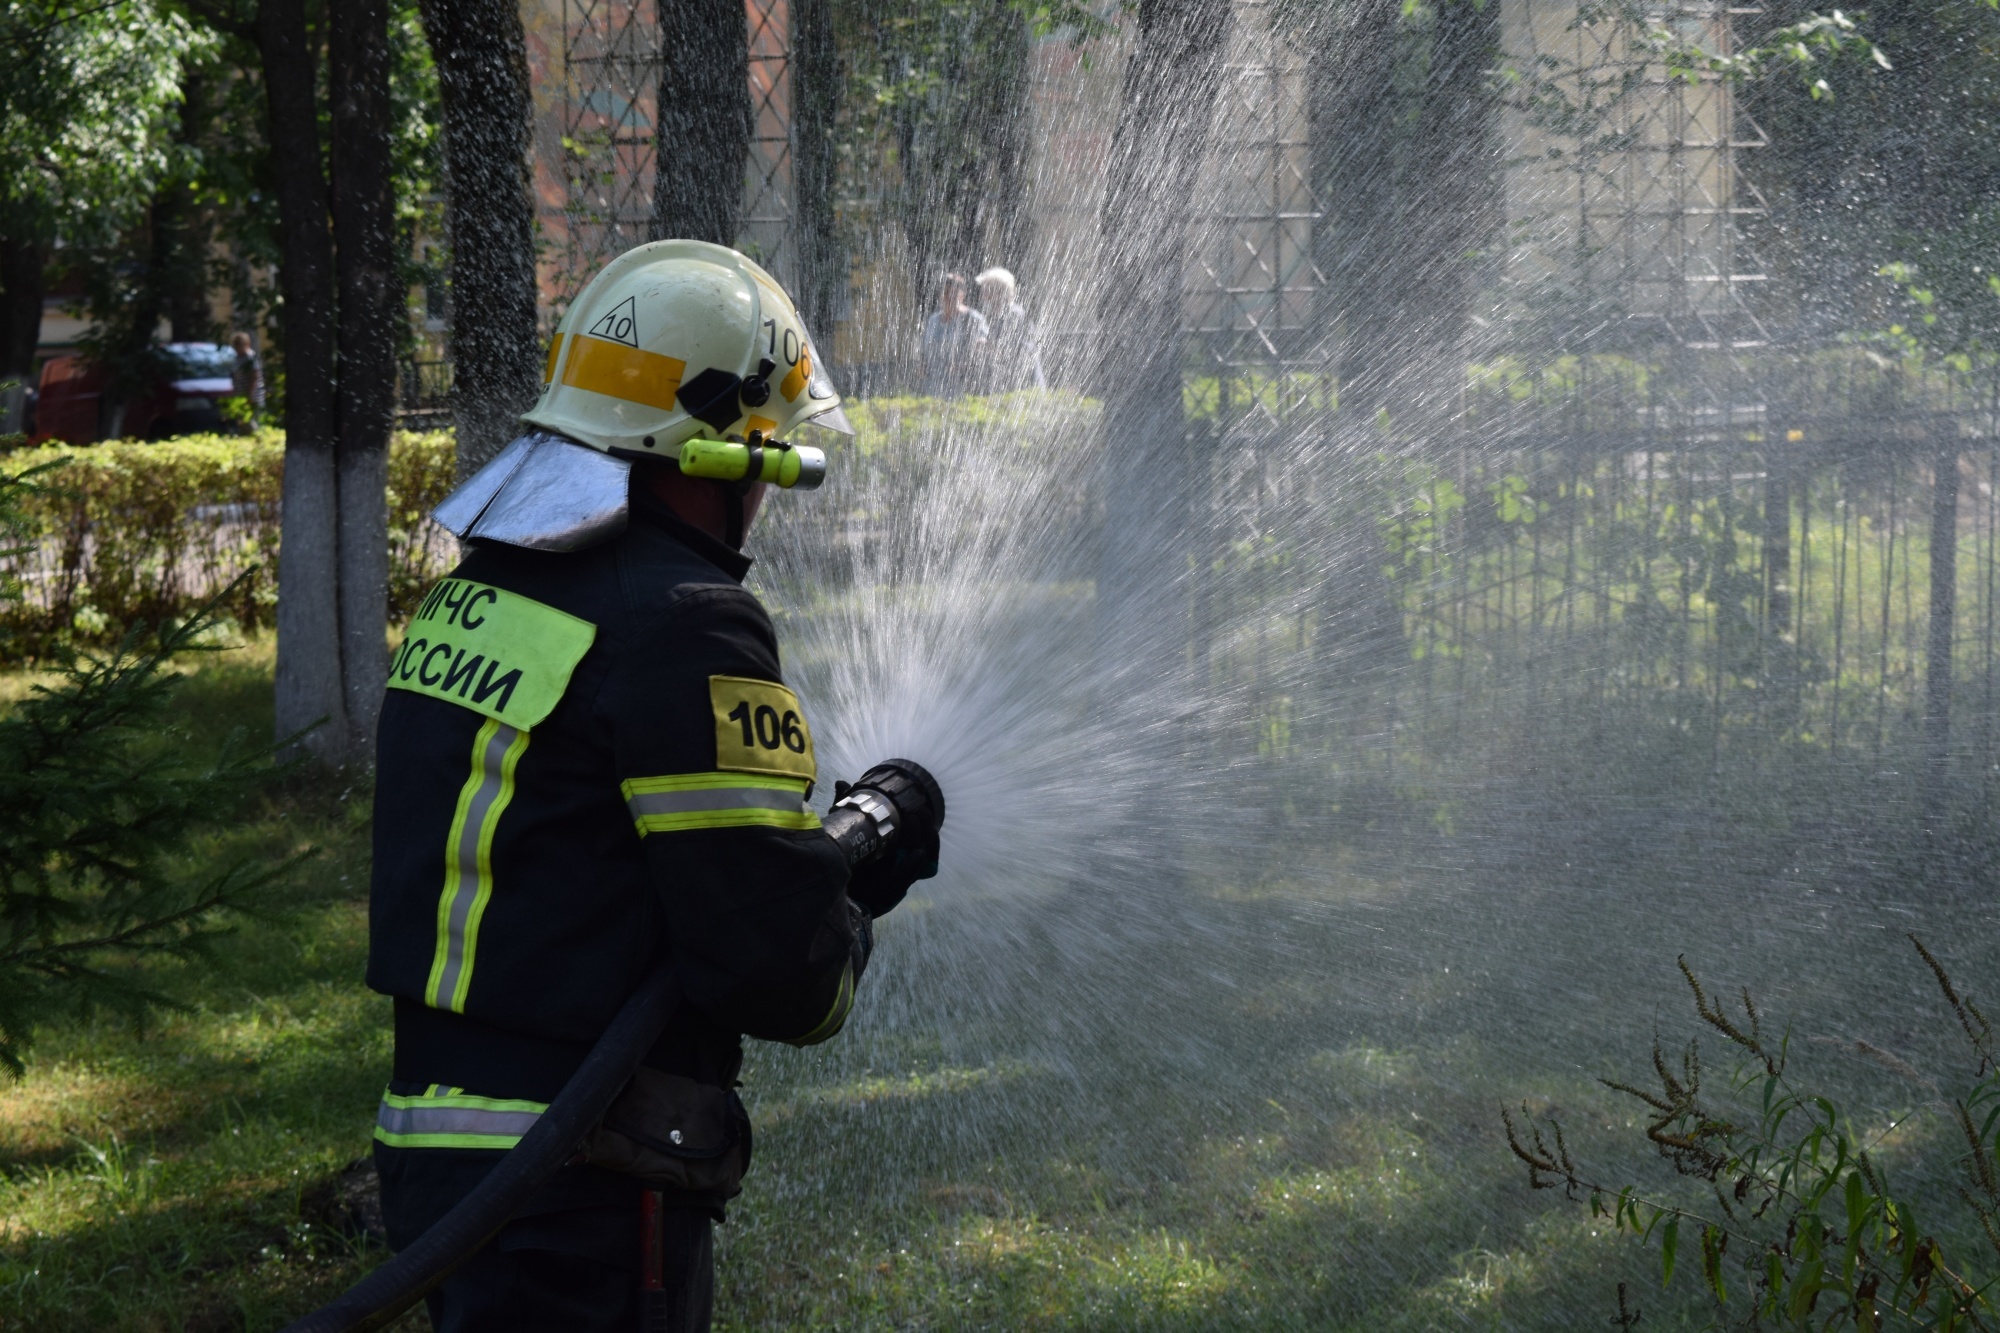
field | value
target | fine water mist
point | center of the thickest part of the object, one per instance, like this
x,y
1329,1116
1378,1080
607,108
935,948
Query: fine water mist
x,y
1152,940
1442,728
961,638
1167,928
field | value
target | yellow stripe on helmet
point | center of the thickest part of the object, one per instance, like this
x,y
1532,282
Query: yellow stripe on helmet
x,y
800,375
618,371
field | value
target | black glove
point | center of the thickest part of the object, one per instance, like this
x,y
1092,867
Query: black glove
x,y
905,847
880,885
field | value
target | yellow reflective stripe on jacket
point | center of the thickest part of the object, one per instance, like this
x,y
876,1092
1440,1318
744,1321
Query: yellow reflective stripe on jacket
x,y
451,1119
836,1017
717,800
468,861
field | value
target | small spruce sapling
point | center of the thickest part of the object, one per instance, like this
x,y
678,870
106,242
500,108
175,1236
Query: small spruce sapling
x,y
98,810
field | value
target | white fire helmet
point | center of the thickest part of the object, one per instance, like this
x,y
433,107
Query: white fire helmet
x,y
677,340
673,342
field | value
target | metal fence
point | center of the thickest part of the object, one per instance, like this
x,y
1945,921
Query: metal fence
x,y
423,393
1592,561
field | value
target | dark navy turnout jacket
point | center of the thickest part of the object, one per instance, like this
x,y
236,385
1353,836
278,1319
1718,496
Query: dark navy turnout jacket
x,y
588,761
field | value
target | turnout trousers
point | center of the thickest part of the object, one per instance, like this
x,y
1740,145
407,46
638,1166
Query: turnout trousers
x,y
571,1261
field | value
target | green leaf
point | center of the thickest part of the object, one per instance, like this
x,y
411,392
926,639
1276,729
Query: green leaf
x,y
1913,1240
1805,1293
1670,1241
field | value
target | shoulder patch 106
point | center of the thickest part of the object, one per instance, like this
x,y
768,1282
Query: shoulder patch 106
x,y
759,728
502,655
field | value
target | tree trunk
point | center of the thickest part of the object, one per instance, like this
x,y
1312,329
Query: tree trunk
x,y
364,232
816,92
962,191
1150,462
308,671
130,366
1351,110
1455,207
482,65
173,284
1150,465
1410,184
1001,232
1937,673
183,278
704,131
22,273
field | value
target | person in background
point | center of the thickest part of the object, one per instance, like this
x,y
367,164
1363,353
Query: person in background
x,y
1014,355
247,375
954,341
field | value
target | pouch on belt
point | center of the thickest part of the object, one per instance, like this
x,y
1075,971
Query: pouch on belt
x,y
673,1133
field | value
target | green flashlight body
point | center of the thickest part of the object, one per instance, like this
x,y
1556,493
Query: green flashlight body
x,y
788,465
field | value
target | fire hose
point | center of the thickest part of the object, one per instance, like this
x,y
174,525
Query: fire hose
x,y
866,823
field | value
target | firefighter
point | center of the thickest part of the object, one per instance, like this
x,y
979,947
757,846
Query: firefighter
x,y
588,758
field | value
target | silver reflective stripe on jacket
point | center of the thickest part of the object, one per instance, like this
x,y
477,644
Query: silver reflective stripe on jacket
x,y
674,802
746,797
454,1120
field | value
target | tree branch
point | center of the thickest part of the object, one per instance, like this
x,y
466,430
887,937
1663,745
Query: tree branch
x,y
223,16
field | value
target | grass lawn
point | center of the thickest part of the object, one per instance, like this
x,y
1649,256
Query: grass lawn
x,y
178,1177
1273,1104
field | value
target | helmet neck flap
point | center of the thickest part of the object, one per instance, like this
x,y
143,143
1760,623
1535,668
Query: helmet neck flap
x,y
546,493
542,492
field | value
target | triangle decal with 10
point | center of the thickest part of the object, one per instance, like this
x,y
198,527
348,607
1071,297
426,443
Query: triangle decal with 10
x,y
620,324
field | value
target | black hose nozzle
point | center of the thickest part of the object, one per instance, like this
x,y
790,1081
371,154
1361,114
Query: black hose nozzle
x,y
896,800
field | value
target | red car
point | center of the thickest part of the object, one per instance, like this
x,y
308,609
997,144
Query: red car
x,y
182,401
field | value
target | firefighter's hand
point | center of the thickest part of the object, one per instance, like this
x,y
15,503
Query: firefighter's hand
x,y
879,885
910,847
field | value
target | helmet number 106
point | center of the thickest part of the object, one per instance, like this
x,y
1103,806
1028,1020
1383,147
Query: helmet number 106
x,y
792,344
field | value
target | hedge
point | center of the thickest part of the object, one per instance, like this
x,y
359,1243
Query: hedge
x,y
128,532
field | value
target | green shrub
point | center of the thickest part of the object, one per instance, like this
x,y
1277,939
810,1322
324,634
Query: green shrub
x,y
1800,1227
885,424
421,473
132,533
135,533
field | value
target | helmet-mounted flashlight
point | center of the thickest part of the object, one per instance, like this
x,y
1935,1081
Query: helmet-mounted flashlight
x,y
786,465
